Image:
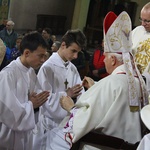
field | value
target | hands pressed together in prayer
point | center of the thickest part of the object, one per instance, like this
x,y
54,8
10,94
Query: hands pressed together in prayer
x,y
75,91
66,102
38,99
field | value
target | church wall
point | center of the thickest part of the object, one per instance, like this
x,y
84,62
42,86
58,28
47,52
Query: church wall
x,y
140,4
24,12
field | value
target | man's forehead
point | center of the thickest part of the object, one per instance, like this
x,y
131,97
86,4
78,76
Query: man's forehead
x,y
44,31
9,23
75,47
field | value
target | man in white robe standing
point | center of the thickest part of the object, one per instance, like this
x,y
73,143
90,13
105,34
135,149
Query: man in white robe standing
x,y
61,77
111,106
145,115
141,44
20,93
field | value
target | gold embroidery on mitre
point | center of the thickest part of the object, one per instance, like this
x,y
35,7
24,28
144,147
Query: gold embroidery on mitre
x,y
142,56
114,40
119,30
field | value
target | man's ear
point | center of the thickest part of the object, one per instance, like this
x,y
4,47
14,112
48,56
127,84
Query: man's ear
x,y
27,52
113,60
63,44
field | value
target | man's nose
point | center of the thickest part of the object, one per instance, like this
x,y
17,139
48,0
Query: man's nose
x,y
75,56
143,23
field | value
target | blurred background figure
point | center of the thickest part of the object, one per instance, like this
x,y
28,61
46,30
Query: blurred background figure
x,y
53,37
3,25
15,52
8,35
79,62
46,33
97,69
55,46
27,32
39,30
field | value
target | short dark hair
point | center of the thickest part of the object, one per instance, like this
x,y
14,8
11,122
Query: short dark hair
x,y
74,36
48,30
32,41
20,37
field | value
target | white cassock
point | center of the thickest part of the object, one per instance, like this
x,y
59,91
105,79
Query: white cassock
x,y
16,111
145,143
141,51
52,76
105,108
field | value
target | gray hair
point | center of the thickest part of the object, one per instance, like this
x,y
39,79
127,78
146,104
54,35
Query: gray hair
x,y
57,43
11,22
118,56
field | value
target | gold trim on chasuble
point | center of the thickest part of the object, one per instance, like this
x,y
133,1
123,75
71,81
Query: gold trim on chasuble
x,y
142,56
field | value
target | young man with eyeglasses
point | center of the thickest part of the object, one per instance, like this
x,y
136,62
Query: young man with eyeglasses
x,y
141,44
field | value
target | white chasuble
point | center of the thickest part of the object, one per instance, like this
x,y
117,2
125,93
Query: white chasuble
x,y
106,109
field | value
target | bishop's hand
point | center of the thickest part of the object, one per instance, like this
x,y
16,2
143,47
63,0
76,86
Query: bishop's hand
x,y
38,99
88,82
75,91
66,103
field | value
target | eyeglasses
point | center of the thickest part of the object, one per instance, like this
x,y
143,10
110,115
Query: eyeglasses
x,y
145,21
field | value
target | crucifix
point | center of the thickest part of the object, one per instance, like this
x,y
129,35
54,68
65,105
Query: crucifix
x,y
66,83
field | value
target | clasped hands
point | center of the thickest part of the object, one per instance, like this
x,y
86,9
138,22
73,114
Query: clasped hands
x,y
38,99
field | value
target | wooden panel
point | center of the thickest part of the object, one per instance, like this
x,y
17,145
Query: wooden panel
x,y
97,11
56,23
4,9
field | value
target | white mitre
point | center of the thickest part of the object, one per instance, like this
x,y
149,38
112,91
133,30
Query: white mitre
x,y
117,39
117,33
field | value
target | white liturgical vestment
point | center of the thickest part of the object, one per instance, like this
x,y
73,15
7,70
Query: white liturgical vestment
x,y
104,108
53,76
145,143
16,111
141,52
